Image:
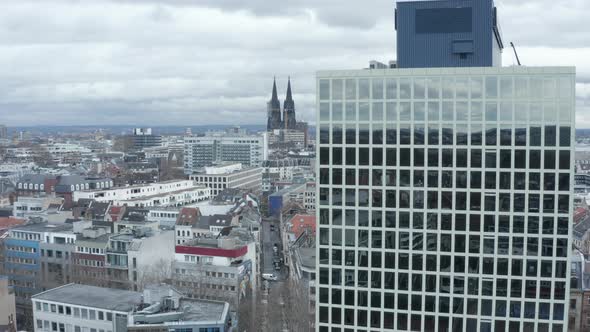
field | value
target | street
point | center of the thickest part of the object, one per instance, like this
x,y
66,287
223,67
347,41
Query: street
x,y
272,297
269,239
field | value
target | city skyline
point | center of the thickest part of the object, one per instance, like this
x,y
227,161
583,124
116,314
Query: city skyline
x,y
83,64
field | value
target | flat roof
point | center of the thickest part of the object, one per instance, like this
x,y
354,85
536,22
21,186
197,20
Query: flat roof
x,y
196,187
147,185
307,257
208,209
515,70
202,310
91,296
44,227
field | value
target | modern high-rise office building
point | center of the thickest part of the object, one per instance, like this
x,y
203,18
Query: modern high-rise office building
x,y
214,148
445,197
3,132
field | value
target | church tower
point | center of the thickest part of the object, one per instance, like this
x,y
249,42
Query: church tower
x,y
289,121
274,110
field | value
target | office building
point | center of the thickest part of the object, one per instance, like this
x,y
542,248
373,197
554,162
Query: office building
x,y
445,198
167,310
214,148
3,132
229,175
220,268
37,256
293,195
160,307
83,308
144,138
445,194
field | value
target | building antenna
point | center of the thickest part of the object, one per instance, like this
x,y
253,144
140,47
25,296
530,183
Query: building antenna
x,y
516,54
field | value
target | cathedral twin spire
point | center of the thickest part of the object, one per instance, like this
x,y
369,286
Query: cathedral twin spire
x,y
286,120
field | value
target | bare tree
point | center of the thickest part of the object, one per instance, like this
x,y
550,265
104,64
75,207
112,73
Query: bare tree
x,y
250,314
158,272
296,298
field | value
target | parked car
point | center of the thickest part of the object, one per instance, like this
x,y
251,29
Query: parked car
x,y
269,276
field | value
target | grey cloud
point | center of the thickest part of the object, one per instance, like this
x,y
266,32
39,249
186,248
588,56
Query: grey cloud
x,y
203,62
527,22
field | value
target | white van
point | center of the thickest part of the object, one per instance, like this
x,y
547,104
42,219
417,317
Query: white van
x,y
269,276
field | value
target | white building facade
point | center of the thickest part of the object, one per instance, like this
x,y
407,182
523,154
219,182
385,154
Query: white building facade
x,y
230,176
162,194
444,199
81,308
250,150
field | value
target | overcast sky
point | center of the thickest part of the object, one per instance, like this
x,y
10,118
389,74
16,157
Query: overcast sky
x,y
194,62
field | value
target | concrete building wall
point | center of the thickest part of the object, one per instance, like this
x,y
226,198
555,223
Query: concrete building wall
x,y
7,304
152,261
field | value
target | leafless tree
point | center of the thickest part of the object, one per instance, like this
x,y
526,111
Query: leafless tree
x,y
156,273
122,143
250,314
169,172
299,316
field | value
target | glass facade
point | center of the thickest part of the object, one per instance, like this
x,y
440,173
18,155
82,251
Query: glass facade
x,y
444,199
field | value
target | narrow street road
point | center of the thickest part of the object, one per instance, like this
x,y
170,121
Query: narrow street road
x,y
272,299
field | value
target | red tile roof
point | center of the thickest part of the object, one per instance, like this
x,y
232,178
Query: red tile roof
x,y
188,216
9,222
300,222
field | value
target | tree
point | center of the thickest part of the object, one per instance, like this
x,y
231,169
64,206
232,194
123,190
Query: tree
x,y
250,314
284,307
300,316
158,272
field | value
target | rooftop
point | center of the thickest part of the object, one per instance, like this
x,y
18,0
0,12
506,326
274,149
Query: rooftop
x,y
195,187
200,310
208,209
306,257
91,296
8,222
104,239
45,227
581,227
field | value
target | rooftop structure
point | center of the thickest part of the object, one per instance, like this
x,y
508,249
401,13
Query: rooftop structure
x,y
90,296
448,33
158,307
